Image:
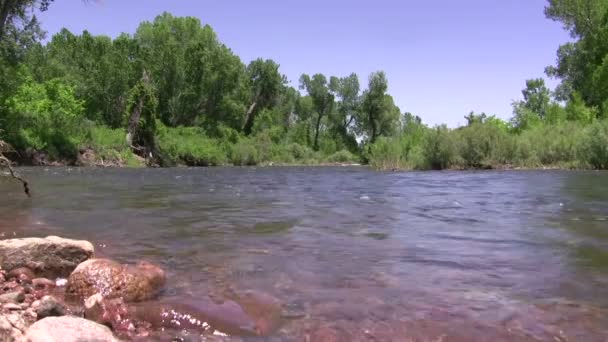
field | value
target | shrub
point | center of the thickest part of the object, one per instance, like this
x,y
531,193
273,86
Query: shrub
x,y
386,154
594,146
45,116
342,156
243,153
189,146
439,149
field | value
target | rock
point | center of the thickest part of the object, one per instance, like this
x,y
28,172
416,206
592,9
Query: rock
x,y
21,274
132,283
49,307
263,308
7,331
68,329
16,321
109,312
11,307
43,283
49,257
201,316
12,297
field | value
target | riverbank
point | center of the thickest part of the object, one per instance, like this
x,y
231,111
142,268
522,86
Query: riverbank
x,y
55,289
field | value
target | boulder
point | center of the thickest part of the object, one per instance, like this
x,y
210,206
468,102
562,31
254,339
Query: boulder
x,y
68,329
49,257
49,306
110,279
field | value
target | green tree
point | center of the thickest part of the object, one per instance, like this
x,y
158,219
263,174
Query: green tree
x,y
379,114
582,64
343,119
322,100
266,84
533,108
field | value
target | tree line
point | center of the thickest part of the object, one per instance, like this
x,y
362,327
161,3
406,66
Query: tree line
x,y
171,93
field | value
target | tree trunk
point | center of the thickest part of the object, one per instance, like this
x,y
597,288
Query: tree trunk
x,y
5,9
318,125
249,118
372,123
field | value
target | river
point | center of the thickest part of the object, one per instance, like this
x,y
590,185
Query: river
x,y
352,254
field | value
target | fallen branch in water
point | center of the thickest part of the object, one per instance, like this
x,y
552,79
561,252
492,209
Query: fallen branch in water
x,y
7,163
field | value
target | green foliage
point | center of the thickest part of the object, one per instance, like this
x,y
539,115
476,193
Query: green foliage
x,y
244,153
439,149
483,145
45,117
198,104
342,156
554,145
594,146
188,146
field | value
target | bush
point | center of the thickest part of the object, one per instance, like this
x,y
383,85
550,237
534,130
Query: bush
x,y
189,146
439,149
484,145
549,145
45,117
386,154
594,146
243,153
299,152
342,156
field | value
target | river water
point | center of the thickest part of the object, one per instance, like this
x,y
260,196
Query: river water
x,y
352,254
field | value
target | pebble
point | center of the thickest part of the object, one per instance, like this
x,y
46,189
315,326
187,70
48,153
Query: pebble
x,y
43,283
12,307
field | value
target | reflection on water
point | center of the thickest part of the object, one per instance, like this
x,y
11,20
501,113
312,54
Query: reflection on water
x,y
350,253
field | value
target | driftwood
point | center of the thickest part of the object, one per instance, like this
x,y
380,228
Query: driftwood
x,y
4,147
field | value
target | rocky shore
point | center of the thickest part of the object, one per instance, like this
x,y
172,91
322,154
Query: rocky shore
x,y
54,289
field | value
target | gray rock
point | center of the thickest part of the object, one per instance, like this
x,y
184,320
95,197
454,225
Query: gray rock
x,y
49,257
68,329
49,307
12,297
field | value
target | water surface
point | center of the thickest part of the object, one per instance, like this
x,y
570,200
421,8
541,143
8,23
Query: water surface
x,y
351,253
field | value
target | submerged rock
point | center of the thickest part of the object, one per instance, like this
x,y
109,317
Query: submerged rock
x,y
109,312
49,257
244,314
200,316
68,329
111,279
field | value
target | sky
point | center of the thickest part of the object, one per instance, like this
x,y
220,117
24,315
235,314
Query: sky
x,y
443,58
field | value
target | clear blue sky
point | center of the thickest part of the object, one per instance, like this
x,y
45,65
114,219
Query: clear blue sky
x,y
443,58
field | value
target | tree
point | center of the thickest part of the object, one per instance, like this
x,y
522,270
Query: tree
x,y
533,108
199,80
322,99
582,65
343,119
17,13
266,84
379,114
